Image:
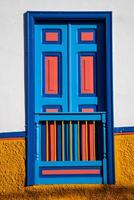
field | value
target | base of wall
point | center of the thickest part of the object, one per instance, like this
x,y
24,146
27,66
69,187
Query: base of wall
x,y
12,175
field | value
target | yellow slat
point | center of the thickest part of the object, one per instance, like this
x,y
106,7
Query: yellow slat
x,y
47,142
63,137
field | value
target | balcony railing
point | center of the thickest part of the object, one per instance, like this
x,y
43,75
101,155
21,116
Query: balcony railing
x,y
69,136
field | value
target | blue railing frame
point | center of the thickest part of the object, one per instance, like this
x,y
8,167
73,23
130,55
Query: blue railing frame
x,y
78,116
31,18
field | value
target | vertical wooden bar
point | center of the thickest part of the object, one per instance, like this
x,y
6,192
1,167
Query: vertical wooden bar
x,y
55,135
37,154
67,149
63,139
52,135
90,147
92,153
75,143
94,141
59,142
38,142
52,140
86,141
43,142
78,140
47,142
71,143
104,150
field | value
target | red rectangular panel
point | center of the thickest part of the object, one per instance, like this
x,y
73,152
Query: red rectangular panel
x,y
68,171
87,74
51,74
51,109
87,36
53,137
88,139
51,36
87,110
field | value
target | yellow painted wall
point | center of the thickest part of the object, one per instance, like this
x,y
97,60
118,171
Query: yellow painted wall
x,y
12,176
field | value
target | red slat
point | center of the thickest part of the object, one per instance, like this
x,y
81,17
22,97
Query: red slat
x,y
84,148
53,136
88,147
91,141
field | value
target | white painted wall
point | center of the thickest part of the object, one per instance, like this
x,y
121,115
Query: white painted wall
x,y
12,116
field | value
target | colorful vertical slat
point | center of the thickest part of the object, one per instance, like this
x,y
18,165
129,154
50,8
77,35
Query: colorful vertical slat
x,y
92,152
51,75
52,139
75,141
84,147
59,141
87,74
47,142
78,140
71,142
88,138
63,140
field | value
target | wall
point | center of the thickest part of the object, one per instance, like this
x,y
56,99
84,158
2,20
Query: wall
x,y
12,176
12,105
12,56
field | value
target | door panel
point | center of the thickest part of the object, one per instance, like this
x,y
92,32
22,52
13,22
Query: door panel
x,y
51,67
82,67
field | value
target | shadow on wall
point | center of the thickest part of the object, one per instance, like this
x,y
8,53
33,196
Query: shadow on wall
x,y
73,192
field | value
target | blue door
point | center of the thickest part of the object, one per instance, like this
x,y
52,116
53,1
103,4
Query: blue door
x,y
70,109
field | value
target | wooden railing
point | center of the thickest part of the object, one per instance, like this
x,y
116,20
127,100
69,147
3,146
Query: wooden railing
x,y
69,136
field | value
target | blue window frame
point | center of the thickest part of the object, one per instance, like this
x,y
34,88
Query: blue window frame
x,y
31,19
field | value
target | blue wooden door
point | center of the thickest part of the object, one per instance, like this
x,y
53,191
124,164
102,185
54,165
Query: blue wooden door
x,y
65,105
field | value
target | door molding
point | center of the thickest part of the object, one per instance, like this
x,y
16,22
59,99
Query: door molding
x,y
32,18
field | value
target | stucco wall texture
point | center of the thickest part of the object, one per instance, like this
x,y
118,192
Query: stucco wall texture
x,y
12,175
